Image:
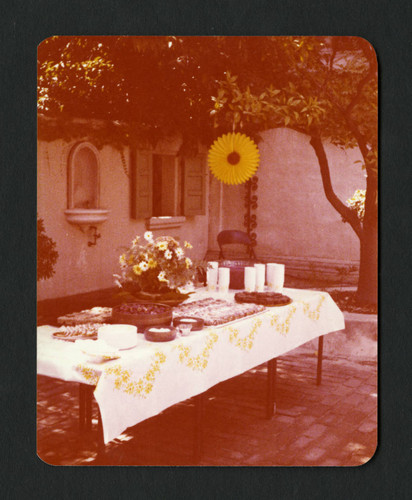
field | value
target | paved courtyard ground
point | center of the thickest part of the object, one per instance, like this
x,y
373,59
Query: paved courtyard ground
x,y
334,424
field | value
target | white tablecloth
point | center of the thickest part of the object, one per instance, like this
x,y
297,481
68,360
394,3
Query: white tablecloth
x,y
154,376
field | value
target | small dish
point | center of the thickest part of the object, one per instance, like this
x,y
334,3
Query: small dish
x,y
184,329
160,333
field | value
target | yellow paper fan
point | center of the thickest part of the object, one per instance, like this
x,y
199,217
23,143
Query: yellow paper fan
x,y
233,158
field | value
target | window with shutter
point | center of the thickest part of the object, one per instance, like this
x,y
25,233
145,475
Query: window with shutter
x,y
142,184
194,191
162,186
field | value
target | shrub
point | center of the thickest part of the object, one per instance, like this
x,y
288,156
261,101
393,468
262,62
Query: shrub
x,y
46,253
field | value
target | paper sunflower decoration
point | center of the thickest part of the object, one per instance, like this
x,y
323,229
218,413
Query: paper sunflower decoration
x,y
233,158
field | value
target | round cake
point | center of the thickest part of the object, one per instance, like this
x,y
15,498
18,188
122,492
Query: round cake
x,y
142,314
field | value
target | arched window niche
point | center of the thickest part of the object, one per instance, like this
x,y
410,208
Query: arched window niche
x,y
83,177
83,187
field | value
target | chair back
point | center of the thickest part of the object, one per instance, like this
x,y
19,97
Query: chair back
x,y
232,237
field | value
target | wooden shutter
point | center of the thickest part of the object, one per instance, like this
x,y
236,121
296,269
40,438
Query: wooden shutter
x,y
141,183
194,189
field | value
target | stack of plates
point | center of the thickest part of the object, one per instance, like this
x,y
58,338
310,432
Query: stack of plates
x,y
119,336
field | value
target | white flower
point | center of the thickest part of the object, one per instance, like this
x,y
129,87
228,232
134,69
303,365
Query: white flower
x,y
162,277
148,236
144,266
161,245
122,261
179,252
168,254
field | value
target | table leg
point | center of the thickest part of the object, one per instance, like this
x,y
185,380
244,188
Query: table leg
x,y
81,406
88,406
101,447
271,388
198,429
320,358
85,407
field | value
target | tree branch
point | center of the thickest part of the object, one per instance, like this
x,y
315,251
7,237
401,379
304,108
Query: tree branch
x,y
347,214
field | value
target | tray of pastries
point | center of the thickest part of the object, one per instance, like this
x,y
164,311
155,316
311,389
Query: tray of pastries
x,y
94,315
78,332
216,311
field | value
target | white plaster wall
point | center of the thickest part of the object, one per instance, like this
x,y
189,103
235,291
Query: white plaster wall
x,y
294,218
81,268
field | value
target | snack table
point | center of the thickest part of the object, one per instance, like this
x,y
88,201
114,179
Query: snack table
x,y
153,376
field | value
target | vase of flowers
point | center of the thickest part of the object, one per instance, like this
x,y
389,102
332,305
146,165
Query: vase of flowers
x,y
156,269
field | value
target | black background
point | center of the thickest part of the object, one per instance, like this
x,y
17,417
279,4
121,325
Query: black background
x,y
23,25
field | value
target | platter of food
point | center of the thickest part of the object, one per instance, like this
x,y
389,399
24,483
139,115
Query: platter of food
x,y
86,331
267,299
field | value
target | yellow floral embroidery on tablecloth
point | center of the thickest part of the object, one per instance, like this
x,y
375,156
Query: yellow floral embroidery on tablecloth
x,y
313,314
144,385
90,375
283,327
200,361
245,343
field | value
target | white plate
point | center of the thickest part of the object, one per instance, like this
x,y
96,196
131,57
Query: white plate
x,y
98,350
100,358
134,344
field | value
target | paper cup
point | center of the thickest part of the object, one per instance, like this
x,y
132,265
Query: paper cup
x,y
276,277
260,277
224,278
250,279
211,277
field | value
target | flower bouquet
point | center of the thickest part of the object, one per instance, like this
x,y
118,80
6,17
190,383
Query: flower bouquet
x,y
155,270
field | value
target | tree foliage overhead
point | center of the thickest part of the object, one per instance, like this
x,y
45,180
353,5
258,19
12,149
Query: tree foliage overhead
x,y
155,86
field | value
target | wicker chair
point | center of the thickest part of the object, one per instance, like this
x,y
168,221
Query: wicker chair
x,y
233,237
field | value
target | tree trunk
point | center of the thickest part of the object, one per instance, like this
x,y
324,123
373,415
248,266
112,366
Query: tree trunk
x,y
367,292
347,214
368,234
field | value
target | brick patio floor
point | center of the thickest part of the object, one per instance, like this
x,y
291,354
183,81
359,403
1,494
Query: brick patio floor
x,y
334,424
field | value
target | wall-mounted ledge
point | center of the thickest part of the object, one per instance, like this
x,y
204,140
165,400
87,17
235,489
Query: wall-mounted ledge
x,y
165,222
86,216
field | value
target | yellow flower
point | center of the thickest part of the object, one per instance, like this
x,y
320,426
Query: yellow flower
x,y
122,260
137,270
187,245
188,262
135,241
162,245
233,158
152,263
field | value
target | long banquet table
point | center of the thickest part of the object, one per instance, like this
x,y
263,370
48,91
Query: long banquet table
x,y
153,376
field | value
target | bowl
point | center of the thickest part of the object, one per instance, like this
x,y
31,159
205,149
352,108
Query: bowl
x,y
160,333
197,323
119,336
142,314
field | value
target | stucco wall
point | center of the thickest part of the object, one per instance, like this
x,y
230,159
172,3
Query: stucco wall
x,y
294,219
81,268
